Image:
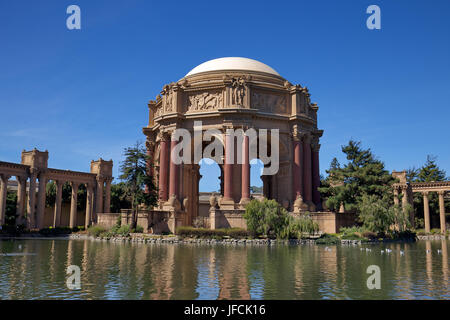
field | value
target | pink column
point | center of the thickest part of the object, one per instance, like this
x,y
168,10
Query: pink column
x,y
297,182
149,146
163,170
315,176
228,171
245,190
307,176
174,170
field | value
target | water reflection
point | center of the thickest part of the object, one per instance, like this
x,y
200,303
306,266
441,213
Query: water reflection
x,y
163,271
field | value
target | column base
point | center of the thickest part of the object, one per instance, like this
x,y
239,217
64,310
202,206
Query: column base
x,y
244,202
227,204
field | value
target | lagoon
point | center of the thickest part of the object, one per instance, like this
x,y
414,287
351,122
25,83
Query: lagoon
x,y
36,269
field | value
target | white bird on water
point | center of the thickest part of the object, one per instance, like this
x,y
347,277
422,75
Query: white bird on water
x,y
382,251
439,251
388,250
402,252
367,249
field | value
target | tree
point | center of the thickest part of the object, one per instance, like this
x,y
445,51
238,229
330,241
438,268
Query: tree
x,y
134,174
362,175
430,171
119,199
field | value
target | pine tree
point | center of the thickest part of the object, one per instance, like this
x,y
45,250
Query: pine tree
x,y
362,175
135,177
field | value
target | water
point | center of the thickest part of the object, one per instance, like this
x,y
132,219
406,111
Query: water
x,y
36,269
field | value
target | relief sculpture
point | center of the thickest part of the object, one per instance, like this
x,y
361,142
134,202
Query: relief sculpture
x,y
269,102
205,101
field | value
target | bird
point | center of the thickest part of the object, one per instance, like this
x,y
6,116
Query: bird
x,y
428,251
20,247
402,252
439,251
382,251
388,250
367,249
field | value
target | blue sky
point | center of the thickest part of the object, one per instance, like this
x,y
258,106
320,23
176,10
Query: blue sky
x,y
82,94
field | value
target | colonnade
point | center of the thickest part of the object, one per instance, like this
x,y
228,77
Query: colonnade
x,y
32,176
425,188
305,177
426,210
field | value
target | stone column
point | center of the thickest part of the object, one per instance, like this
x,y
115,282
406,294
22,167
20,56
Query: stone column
x,y
107,204
174,172
73,205
307,176
58,202
89,205
31,209
41,201
228,169
442,211
405,197
3,192
297,177
163,168
426,211
150,150
21,196
245,187
99,195
396,196
316,175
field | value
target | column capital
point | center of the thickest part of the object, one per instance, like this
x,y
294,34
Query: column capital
x,y
425,193
100,178
441,192
74,185
5,177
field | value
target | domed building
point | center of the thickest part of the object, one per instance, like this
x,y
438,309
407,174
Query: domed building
x,y
230,94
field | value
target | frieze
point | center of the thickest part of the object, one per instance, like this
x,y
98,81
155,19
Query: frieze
x,y
205,101
269,102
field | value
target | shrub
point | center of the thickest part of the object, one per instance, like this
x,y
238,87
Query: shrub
x,y
328,239
95,231
50,231
266,218
123,231
369,234
139,229
420,232
192,232
298,227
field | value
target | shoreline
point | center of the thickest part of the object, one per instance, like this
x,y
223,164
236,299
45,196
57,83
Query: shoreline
x,y
159,239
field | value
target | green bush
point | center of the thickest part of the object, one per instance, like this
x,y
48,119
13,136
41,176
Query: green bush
x,y
209,233
299,227
328,239
95,231
139,229
50,231
266,218
123,231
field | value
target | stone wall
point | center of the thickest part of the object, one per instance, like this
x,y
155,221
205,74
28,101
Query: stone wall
x,y
330,222
107,220
227,219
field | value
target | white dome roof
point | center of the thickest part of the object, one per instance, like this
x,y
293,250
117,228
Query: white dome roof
x,y
232,63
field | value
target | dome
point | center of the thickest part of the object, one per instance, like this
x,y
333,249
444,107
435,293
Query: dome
x,y
232,63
